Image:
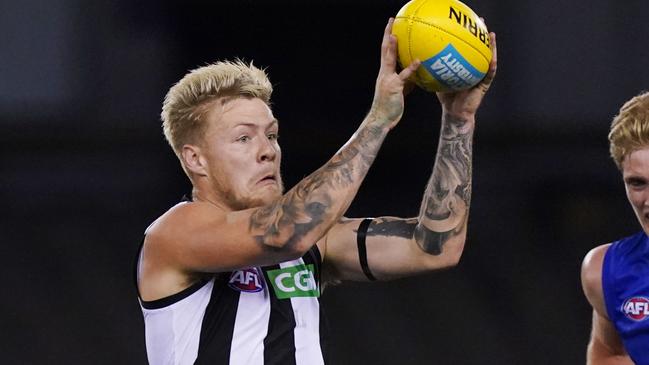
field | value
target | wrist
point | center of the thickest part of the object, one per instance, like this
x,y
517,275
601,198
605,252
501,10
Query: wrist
x,y
378,121
464,122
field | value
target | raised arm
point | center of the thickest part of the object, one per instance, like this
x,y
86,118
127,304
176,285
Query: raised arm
x,y
201,237
605,346
396,247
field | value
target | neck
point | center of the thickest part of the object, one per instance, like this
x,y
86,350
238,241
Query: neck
x,y
201,195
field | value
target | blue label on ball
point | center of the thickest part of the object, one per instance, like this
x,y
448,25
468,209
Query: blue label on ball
x,y
452,70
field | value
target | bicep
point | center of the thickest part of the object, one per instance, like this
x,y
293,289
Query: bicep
x,y
390,250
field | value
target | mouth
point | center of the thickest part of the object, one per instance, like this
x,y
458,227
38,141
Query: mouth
x,y
268,179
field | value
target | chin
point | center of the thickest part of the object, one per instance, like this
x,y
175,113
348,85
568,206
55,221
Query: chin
x,y
270,197
260,201
261,197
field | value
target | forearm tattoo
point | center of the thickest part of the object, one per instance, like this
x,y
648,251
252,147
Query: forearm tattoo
x,y
445,206
322,197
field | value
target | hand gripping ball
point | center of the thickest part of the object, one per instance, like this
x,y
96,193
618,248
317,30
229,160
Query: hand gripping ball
x,y
449,39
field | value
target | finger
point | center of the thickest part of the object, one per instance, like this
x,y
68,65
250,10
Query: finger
x,y
391,53
408,71
387,44
493,65
388,27
484,22
494,57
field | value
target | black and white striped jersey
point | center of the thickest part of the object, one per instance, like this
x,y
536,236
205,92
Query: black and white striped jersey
x,y
258,315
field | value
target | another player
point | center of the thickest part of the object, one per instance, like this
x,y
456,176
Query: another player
x,y
615,276
233,276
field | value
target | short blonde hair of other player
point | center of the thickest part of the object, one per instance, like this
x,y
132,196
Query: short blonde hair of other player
x,y
187,102
630,128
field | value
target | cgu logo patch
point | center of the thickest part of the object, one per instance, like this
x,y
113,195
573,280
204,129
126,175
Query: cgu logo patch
x,y
636,308
294,281
247,280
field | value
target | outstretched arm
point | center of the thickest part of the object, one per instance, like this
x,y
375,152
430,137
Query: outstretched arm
x,y
435,239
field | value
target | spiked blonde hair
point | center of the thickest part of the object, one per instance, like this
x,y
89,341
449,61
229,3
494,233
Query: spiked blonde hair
x,y
630,128
185,105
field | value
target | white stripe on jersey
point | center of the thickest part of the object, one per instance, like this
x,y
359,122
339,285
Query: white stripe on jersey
x,y
172,332
250,328
306,311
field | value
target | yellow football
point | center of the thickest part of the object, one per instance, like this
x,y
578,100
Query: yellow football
x,y
449,39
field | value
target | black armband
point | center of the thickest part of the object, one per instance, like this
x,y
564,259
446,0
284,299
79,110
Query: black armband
x,y
362,251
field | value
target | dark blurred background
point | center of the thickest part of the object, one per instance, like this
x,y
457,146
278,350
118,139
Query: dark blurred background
x,y
84,167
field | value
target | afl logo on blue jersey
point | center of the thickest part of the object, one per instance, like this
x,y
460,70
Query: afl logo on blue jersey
x,y
636,308
247,280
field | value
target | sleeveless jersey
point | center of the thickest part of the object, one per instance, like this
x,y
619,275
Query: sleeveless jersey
x,y
255,316
625,281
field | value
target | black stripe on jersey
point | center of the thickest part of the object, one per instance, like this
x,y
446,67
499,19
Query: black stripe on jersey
x,y
324,337
279,344
314,257
218,325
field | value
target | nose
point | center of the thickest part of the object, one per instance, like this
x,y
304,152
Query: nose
x,y
267,150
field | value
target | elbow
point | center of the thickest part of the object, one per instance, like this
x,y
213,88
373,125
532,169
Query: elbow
x,y
443,249
447,259
438,243
453,252
289,249
295,251
292,231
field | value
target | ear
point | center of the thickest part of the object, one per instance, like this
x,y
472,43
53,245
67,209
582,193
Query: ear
x,y
194,160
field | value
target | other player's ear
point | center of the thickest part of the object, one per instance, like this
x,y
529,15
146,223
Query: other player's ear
x,y
193,160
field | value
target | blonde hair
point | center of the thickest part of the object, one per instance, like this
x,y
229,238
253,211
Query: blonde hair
x,y
630,128
185,105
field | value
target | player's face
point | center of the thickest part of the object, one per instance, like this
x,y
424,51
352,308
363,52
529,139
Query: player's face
x,y
243,154
635,171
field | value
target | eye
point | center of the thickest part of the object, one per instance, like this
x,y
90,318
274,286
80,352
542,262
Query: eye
x,y
243,138
636,183
273,136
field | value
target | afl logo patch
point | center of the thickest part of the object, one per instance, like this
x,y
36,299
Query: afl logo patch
x,y
636,308
247,280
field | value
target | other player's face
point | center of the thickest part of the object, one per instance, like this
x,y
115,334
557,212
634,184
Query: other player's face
x,y
243,154
635,172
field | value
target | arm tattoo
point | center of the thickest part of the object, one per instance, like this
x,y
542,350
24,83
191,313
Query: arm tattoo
x,y
448,194
444,209
321,198
394,227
